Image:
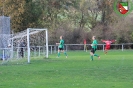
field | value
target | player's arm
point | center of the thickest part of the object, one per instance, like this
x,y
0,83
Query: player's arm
x,y
113,41
103,40
58,43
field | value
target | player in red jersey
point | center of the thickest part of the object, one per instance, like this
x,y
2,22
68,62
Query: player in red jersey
x,y
108,43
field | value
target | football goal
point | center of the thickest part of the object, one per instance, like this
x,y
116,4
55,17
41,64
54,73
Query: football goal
x,y
29,43
45,41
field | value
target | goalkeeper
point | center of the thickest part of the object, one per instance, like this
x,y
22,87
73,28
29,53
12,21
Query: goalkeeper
x,y
61,47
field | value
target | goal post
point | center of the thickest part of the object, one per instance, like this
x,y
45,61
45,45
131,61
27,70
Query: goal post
x,y
28,41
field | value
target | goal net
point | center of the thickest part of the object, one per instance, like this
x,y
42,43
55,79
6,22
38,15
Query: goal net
x,y
42,41
29,43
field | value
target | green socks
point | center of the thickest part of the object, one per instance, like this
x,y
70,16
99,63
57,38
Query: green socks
x,y
96,55
58,54
65,53
92,58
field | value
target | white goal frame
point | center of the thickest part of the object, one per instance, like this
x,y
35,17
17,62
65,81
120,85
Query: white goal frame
x,y
28,41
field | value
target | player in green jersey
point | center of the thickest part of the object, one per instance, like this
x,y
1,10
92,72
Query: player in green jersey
x,y
94,48
61,47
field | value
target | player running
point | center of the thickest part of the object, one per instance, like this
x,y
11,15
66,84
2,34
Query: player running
x,y
61,47
108,43
94,48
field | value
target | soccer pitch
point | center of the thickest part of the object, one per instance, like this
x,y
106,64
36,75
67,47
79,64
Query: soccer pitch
x,y
114,70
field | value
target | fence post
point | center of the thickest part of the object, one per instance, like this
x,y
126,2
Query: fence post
x,y
103,47
39,51
12,53
122,47
18,53
34,51
3,57
54,48
66,47
24,51
51,49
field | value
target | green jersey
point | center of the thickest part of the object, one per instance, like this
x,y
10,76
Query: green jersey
x,y
61,45
94,44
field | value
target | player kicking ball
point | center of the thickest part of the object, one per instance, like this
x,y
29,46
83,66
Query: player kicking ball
x,y
94,48
61,47
108,43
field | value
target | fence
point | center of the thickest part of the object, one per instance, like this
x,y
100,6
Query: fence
x,y
6,53
21,52
73,47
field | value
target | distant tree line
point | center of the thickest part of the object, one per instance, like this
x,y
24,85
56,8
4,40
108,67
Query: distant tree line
x,y
76,20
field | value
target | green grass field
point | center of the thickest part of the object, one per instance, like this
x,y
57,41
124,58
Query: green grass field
x,y
114,70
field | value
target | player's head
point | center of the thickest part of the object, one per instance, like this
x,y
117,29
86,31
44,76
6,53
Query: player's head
x,y
61,37
93,37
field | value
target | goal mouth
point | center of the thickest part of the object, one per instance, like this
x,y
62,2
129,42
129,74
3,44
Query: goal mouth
x,y
28,41
32,42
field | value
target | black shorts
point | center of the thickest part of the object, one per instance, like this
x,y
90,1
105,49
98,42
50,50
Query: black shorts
x,y
61,49
93,50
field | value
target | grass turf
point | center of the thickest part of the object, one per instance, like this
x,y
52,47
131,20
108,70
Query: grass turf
x,y
114,70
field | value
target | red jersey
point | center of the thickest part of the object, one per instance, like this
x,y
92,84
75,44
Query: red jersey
x,y
108,43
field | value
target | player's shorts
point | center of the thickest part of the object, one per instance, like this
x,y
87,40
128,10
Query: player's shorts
x,y
107,47
61,49
93,50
